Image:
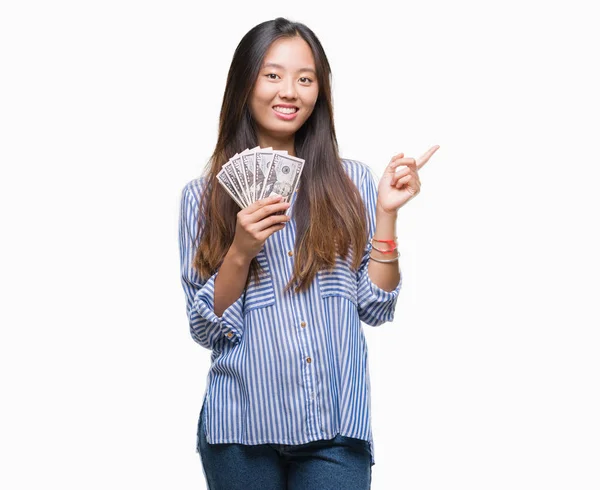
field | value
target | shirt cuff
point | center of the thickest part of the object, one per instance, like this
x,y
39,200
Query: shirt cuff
x,y
231,322
375,305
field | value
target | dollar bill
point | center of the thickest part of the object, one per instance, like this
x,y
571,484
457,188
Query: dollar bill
x,y
235,180
263,162
237,166
224,180
283,176
249,173
258,173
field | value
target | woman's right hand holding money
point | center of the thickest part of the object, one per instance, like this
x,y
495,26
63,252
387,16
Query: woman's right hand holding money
x,y
256,223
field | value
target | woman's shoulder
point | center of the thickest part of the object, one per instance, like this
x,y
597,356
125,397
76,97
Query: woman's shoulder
x,y
194,188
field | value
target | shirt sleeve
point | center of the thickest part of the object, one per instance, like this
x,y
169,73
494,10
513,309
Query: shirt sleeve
x,y
206,327
375,305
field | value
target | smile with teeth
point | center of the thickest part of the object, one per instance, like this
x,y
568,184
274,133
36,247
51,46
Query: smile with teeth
x,y
285,110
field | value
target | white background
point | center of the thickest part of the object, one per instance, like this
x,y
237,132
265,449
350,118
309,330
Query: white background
x,y
489,376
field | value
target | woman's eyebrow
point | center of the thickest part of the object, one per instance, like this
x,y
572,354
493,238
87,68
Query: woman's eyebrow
x,y
276,65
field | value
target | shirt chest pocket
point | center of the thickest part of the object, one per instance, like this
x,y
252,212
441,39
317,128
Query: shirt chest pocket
x,y
262,294
339,281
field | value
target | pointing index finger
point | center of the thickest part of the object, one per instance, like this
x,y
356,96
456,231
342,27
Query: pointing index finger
x,y
426,156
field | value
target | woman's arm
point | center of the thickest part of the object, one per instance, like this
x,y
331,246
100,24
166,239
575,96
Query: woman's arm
x,y
231,280
385,275
396,187
206,327
254,224
376,305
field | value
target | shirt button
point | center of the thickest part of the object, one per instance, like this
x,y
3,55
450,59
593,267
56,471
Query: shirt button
x,y
309,360
303,324
290,253
229,335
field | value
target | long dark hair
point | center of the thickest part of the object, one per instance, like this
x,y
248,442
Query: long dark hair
x,y
329,212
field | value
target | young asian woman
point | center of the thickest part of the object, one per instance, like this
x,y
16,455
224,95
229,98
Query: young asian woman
x,y
279,298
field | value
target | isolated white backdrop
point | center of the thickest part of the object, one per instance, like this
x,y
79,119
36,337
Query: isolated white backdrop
x,y
487,378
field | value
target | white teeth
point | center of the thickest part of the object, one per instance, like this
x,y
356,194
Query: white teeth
x,y
285,110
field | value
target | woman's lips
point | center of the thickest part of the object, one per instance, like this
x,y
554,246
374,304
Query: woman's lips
x,y
286,117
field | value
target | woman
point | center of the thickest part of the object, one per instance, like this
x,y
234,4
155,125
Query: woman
x,y
278,297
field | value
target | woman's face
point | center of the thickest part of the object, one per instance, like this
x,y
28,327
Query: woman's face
x,y
287,78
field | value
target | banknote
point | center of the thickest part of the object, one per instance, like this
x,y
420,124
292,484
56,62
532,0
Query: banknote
x,y
224,180
237,166
228,170
249,171
259,173
283,176
263,162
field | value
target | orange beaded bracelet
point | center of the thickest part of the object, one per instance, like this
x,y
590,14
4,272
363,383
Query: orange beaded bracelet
x,y
390,242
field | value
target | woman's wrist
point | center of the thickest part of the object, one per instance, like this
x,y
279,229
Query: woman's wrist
x,y
385,229
237,258
385,215
385,224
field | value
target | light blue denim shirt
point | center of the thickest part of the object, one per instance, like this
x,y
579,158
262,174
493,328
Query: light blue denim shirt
x,y
287,368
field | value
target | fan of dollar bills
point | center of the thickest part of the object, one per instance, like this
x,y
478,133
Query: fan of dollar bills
x,y
259,173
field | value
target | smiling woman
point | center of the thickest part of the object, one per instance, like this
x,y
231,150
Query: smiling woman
x,y
288,398
285,92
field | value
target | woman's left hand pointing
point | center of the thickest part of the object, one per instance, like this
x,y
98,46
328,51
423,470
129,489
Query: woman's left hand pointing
x,y
397,188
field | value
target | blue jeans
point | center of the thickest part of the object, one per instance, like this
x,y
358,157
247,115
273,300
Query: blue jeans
x,y
342,462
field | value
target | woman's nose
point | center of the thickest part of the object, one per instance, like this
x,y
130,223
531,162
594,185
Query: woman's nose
x,y
288,89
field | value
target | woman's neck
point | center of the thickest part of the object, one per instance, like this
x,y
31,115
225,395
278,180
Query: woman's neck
x,y
288,145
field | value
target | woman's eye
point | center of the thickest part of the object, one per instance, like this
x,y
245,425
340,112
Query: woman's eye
x,y
272,76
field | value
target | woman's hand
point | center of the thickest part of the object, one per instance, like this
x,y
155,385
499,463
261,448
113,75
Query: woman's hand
x,y
256,223
396,188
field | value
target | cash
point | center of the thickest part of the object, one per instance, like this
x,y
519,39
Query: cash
x,y
260,173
